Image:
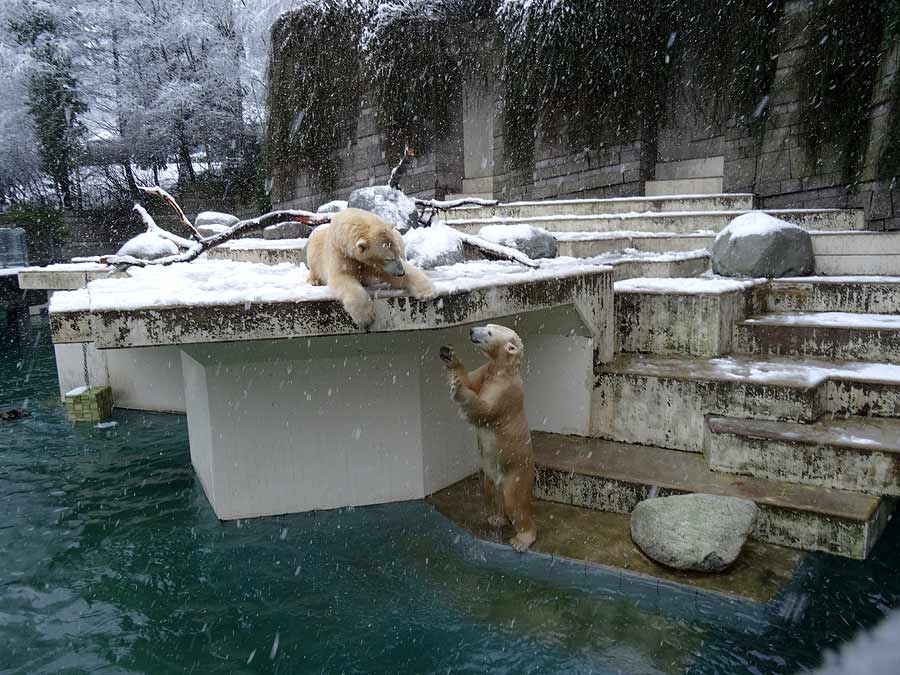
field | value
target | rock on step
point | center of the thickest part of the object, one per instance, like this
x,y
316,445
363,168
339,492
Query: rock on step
x,y
837,335
703,533
609,476
859,294
861,454
663,401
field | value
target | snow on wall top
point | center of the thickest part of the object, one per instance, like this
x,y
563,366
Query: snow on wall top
x,y
224,282
687,286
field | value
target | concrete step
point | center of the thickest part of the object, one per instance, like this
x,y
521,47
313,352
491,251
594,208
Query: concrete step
x,y
861,454
663,401
703,167
680,316
680,186
662,221
837,335
614,477
857,253
583,207
864,294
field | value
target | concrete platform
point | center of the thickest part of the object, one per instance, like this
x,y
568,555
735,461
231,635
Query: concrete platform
x,y
861,454
61,277
603,538
674,186
614,477
291,407
663,401
686,221
837,335
265,251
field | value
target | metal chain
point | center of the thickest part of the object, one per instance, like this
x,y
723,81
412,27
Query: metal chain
x,y
84,357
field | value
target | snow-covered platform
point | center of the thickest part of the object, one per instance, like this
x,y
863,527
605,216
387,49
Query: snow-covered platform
x,y
291,407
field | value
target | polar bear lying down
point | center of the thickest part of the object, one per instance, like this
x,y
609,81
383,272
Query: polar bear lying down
x,y
492,399
359,248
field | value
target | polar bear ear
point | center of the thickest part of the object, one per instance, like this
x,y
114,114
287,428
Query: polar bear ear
x,y
512,348
362,245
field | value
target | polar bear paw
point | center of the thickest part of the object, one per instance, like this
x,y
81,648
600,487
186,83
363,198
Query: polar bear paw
x,y
362,313
523,541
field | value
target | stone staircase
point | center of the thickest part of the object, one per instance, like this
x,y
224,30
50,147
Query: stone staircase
x,y
784,392
715,390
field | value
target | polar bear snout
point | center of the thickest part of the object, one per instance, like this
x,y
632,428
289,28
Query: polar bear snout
x,y
394,267
479,335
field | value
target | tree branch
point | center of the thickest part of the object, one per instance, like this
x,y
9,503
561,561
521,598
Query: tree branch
x,y
170,200
493,251
400,169
156,229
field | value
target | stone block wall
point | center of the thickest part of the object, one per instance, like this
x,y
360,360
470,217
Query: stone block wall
x,y
772,163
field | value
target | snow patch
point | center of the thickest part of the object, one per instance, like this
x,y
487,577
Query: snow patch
x,y
77,391
755,223
148,246
829,320
685,286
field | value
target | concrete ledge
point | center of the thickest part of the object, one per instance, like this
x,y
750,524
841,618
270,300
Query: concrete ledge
x,y
63,277
589,290
265,251
879,295
582,207
861,454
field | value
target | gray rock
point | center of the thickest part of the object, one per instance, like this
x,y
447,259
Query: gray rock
x,y
430,247
532,241
389,204
214,218
13,247
287,230
332,206
699,532
758,245
211,229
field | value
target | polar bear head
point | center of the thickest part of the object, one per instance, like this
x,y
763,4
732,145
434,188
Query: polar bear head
x,y
372,241
500,343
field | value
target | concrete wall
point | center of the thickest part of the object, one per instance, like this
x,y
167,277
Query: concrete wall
x,y
772,163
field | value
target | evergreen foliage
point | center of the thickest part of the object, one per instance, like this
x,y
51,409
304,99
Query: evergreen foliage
x,y
314,89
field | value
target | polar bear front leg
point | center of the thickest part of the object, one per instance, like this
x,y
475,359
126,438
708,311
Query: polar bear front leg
x,y
417,282
354,298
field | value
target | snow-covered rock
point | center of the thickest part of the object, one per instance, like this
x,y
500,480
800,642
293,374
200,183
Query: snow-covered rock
x,y
148,246
430,247
387,203
699,532
211,229
756,244
214,218
332,207
287,230
532,241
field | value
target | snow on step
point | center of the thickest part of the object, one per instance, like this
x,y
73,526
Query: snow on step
x,y
663,401
608,476
857,453
839,335
691,286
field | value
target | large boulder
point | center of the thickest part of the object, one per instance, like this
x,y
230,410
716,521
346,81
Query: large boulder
x,y
703,533
532,241
332,207
214,218
430,247
148,246
387,203
287,230
757,245
211,229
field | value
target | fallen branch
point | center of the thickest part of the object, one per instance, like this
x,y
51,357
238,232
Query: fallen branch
x,y
441,205
493,251
198,248
170,200
398,171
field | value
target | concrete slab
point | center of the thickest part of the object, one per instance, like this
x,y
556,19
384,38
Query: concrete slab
x,y
861,454
837,335
265,251
603,538
866,294
61,277
614,477
710,185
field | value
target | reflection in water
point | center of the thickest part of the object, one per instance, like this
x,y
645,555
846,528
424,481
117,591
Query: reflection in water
x,y
111,560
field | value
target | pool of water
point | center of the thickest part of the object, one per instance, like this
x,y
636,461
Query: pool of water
x,y
112,561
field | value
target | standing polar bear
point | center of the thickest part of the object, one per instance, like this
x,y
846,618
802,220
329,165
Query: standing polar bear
x,y
492,399
360,248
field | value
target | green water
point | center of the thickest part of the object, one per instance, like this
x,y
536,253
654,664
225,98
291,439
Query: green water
x,y
111,561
